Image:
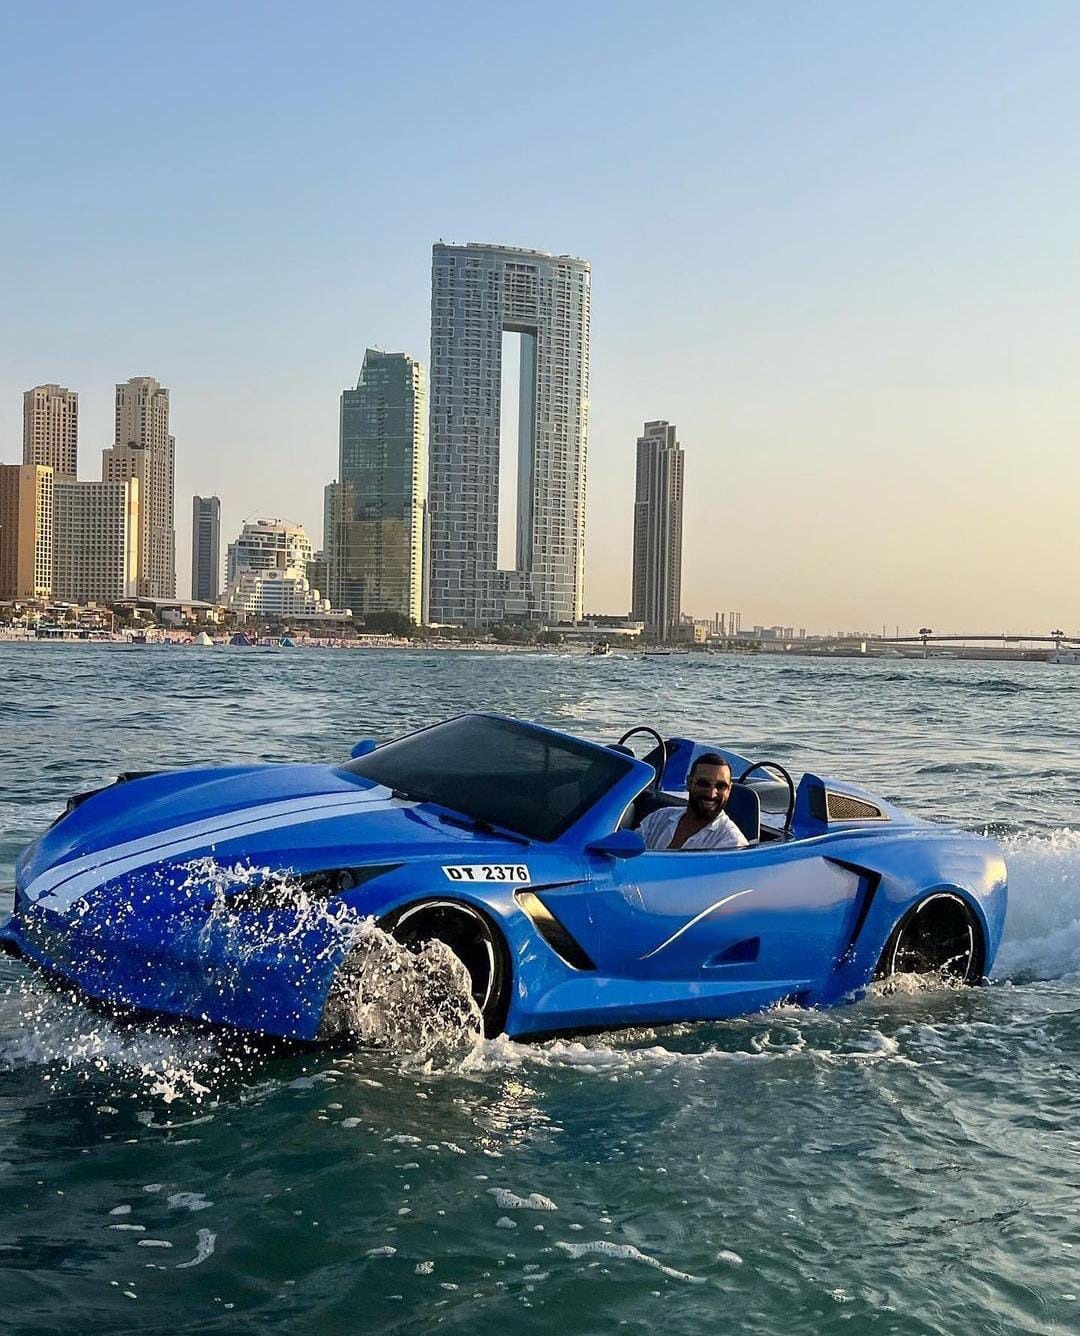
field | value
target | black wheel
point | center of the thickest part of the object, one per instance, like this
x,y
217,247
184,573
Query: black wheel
x,y
473,939
938,936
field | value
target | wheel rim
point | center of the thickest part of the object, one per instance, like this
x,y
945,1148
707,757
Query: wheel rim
x,y
938,937
464,932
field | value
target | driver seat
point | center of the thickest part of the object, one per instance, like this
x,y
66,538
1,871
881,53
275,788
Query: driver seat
x,y
744,808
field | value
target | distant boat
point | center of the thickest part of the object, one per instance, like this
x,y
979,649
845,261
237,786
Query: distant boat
x,y
202,639
1065,656
657,654
240,639
600,649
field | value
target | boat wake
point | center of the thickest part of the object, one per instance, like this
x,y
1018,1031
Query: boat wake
x,y
1042,931
416,1010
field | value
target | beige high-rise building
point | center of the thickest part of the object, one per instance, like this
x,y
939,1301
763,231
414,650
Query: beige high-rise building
x,y
97,532
26,531
145,451
51,429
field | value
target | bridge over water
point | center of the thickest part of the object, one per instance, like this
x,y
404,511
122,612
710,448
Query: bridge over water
x,y
997,637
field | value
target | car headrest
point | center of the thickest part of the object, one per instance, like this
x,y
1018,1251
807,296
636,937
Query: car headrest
x,y
744,808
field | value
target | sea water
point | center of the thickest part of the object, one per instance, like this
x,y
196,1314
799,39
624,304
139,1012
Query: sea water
x,y
908,1164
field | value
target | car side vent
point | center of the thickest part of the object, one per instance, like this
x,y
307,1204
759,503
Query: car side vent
x,y
554,931
842,807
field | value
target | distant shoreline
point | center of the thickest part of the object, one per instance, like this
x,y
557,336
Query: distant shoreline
x,y
959,653
117,642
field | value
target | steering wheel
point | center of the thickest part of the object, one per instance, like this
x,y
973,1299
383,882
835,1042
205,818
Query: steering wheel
x,y
654,787
772,765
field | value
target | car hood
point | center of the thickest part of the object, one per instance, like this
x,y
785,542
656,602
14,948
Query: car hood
x,y
302,817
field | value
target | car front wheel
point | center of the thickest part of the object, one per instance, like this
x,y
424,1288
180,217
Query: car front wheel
x,y
473,939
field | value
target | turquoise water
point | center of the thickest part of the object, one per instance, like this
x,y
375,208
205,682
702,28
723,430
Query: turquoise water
x,y
909,1164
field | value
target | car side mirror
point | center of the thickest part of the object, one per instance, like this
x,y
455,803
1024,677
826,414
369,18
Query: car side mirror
x,y
619,844
362,748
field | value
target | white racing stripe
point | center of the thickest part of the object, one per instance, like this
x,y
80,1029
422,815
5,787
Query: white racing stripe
x,y
59,887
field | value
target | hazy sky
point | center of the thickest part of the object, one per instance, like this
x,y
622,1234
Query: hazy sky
x,y
836,243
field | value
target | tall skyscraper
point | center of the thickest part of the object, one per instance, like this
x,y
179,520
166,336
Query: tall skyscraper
x,y
26,531
97,533
376,516
658,517
51,429
478,294
333,517
205,548
144,450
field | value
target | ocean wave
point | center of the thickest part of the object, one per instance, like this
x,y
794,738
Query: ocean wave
x,y
1042,929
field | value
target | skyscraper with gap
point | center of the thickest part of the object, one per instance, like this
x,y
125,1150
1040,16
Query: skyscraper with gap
x,y
507,492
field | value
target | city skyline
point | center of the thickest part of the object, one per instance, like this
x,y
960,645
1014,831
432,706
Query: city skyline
x,y
856,301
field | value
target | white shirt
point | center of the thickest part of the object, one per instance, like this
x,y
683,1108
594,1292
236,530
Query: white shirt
x,y
658,828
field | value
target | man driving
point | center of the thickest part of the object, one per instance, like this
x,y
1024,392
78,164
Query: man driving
x,y
703,823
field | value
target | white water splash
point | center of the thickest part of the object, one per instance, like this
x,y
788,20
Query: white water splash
x,y
45,1028
205,1239
418,1006
626,1252
510,1201
1042,930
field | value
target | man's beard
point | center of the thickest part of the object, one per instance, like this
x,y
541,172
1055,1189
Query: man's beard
x,y
708,811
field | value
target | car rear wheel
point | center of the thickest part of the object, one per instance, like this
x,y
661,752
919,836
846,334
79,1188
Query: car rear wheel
x,y
938,936
473,939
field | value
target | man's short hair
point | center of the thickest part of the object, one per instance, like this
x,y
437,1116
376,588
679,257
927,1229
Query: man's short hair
x,y
709,758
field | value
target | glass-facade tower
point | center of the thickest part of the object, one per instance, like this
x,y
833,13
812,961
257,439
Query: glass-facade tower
x,y
205,548
658,525
478,293
376,547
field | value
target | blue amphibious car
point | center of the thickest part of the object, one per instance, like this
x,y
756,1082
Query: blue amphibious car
x,y
225,894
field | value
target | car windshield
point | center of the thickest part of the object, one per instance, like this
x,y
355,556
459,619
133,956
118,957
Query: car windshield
x,y
534,783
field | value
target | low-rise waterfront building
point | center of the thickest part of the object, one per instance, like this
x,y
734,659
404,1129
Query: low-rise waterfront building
x,y
275,594
268,571
268,545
